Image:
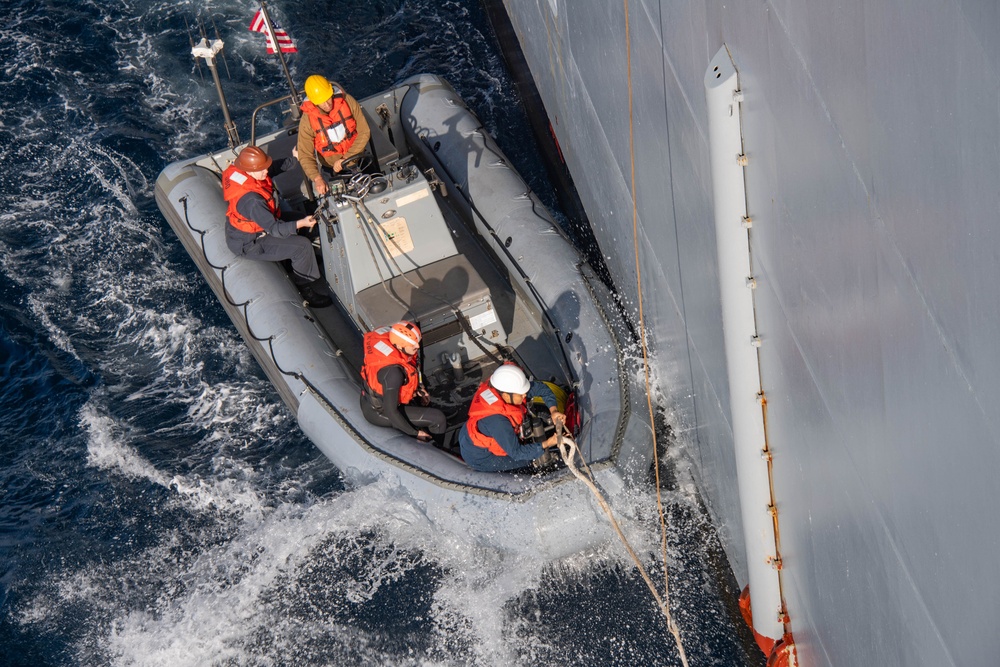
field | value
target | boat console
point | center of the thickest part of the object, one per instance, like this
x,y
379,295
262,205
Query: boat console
x,y
390,254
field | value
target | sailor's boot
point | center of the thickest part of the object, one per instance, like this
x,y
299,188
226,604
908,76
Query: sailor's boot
x,y
316,294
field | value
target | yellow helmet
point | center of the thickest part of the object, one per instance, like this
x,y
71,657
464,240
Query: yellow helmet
x,y
318,89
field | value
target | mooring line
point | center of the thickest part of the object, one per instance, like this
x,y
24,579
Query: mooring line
x,y
569,451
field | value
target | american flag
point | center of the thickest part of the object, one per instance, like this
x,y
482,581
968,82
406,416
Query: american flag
x,y
284,41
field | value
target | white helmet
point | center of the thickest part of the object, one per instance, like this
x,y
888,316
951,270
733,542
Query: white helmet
x,y
510,379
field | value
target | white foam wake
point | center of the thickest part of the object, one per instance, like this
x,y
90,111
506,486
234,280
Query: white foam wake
x,y
108,449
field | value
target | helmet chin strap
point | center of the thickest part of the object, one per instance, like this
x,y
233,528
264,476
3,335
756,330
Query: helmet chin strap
x,y
509,398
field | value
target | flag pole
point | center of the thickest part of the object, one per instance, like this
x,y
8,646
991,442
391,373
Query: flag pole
x,y
294,108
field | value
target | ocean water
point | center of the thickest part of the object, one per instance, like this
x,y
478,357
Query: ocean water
x,y
158,504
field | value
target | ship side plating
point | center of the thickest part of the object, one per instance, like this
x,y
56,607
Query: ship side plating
x,y
873,144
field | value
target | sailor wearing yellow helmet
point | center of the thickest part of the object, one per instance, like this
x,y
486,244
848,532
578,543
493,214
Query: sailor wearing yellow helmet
x,y
331,130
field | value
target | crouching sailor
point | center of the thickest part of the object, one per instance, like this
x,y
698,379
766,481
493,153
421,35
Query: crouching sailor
x,y
491,439
392,381
256,230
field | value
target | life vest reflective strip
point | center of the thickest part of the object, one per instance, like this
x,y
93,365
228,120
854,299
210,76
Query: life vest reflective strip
x,y
235,184
334,131
485,403
379,353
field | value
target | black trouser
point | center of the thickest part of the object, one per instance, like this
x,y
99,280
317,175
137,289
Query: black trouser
x,y
431,420
269,248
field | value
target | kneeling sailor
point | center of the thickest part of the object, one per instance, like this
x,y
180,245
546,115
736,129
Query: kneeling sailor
x,y
392,381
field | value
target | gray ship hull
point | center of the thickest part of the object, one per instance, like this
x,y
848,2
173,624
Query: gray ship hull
x,y
873,147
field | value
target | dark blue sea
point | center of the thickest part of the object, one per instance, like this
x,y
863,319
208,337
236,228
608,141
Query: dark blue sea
x,y
158,503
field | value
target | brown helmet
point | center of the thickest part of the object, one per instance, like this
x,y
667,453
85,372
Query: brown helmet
x,y
252,158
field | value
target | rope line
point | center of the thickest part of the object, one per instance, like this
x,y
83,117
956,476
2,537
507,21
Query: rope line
x,y
642,340
569,452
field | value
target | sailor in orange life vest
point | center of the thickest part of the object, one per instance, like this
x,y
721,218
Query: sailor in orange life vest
x,y
392,381
332,129
256,230
490,439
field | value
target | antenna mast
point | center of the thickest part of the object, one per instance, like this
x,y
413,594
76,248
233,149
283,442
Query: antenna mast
x,y
208,51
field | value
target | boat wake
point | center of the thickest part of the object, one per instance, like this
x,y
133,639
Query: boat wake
x,y
344,578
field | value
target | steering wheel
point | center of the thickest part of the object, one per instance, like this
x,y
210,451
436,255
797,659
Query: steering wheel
x,y
359,184
358,162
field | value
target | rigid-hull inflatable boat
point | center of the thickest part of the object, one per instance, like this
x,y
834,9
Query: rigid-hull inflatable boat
x,y
434,226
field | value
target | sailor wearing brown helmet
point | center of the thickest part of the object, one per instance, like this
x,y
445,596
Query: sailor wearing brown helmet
x,y
256,229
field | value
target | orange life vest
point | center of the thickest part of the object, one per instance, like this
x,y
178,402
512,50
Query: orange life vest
x,y
485,403
235,184
335,131
379,353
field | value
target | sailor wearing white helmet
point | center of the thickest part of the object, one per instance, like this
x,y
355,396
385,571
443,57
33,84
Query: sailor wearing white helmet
x,y
490,439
